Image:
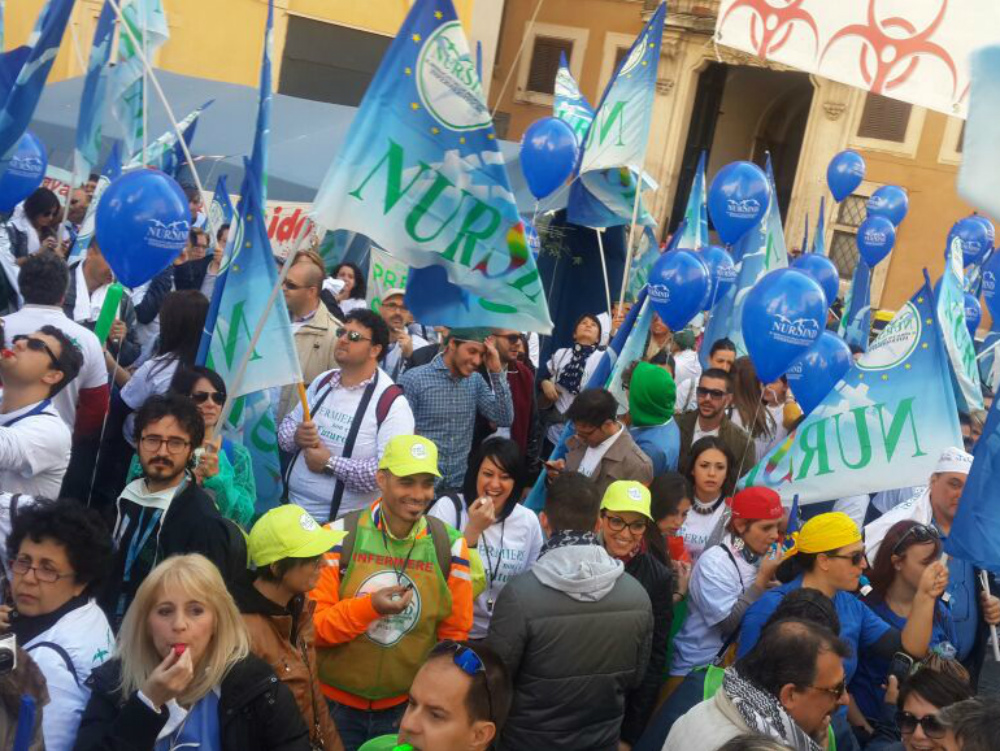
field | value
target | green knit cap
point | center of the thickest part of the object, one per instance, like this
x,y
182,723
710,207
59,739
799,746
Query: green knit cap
x,y
651,395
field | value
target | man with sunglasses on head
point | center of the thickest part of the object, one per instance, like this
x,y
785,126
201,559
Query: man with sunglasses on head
x,y
459,701
398,356
331,474
35,442
166,511
973,609
315,329
715,395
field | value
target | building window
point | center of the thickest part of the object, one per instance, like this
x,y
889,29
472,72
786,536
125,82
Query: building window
x,y
547,43
329,63
884,119
545,56
952,142
851,213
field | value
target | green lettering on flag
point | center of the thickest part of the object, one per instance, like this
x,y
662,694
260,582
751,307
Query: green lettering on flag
x,y
394,189
904,413
617,114
237,326
818,449
864,441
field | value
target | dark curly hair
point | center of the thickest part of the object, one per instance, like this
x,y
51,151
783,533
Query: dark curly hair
x,y
43,279
181,408
360,288
78,529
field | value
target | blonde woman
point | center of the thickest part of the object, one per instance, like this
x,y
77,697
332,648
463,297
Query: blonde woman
x,y
183,675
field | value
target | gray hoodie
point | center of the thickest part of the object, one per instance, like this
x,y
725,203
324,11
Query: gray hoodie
x,y
575,633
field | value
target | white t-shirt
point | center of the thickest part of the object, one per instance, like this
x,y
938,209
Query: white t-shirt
x,y
521,538
35,445
87,306
687,366
715,586
557,362
152,377
396,352
314,490
352,303
594,454
699,433
698,528
93,374
686,396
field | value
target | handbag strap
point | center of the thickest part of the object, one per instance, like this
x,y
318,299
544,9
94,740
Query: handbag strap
x,y
352,437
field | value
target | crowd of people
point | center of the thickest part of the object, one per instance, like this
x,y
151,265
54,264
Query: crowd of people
x,y
402,592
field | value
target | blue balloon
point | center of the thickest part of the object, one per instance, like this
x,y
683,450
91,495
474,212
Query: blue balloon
x,y
678,287
875,239
991,233
24,173
532,238
814,375
973,236
973,313
889,201
143,220
823,270
991,291
783,316
738,199
721,270
549,150
845,173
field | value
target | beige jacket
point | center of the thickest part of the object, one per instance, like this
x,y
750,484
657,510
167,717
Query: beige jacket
x,y
315,342
623,461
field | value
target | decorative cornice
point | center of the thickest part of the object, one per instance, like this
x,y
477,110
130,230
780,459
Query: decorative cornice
x,y
834,110
664,86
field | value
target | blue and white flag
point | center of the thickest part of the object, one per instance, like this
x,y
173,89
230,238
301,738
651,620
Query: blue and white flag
x,y
759,251
627,346
33,62
973,535
645,258
611,165
421,173
958,342
570,105
694,232
93,98
161,154
819,239
111,172
856,322
890,417
220,211
148,25
988,359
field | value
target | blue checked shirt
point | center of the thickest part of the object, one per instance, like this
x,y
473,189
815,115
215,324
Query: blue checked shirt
x,y
444,408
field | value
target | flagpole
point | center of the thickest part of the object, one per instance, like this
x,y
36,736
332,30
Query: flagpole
x,y
604,269
145,87
517,57
631,238
166,105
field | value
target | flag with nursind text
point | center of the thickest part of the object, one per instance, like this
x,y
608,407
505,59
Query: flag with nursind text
x,y
957,339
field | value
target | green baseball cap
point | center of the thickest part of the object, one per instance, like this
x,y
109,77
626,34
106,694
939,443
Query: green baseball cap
x,y
407,455
627,495
290,532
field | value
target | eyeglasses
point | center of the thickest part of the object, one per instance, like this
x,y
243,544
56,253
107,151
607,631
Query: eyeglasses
x,y
352,336
701,391
392,306
38,345
856,558
293,287
468,662
907,724
836,692
200,397
512,338
919,533
617,524
153,442
23,565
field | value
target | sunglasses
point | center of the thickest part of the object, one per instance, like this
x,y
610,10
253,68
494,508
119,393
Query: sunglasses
x,y
701,391
856,559
836,692
352,336
37,345
512,338
293,287
200,397
907,724
468,662
916,535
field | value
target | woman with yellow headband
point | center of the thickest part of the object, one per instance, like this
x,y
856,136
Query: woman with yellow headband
x,y
829,555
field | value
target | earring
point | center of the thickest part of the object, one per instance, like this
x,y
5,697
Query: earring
x,y
738,544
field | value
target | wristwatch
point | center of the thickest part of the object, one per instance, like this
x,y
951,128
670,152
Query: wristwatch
x,y
329,466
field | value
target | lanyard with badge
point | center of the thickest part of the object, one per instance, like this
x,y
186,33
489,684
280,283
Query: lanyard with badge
x,y
493,571
37,410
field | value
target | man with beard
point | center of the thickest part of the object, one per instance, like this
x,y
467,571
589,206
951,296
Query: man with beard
x,y
396,358
165,512
715,394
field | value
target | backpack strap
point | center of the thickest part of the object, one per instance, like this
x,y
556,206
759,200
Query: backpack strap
x,y
442,544
61,652
352,438
324,381
385,402
347,544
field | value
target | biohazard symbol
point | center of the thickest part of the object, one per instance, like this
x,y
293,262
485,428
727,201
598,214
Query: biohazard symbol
x,y
770,26
882,56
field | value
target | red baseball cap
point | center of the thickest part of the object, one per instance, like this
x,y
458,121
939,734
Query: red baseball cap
x,y
757,503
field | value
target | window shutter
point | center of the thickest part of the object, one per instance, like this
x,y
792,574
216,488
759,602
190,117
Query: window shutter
x,y
545,63
961,140
884,119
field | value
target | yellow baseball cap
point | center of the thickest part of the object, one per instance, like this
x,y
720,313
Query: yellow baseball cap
x,y
627,495
290,532
407,455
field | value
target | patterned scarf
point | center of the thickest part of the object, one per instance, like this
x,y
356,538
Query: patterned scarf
x,y
572,374
764,714
565,539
